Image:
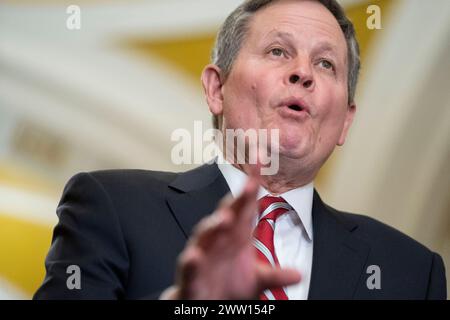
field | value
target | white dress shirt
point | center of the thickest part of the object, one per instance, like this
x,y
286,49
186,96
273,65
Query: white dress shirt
x,y
293,236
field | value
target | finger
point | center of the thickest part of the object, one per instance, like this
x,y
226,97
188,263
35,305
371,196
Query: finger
x,y
235,215
211,228
255,170
269,277
218,219
187,267
245,205
244,214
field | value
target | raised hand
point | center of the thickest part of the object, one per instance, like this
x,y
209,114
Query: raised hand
x,y
219,261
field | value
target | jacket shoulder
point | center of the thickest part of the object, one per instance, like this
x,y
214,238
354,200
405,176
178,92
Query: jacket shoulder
x,y
410,269
136,176
381,234
124,181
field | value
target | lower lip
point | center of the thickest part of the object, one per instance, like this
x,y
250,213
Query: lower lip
x,y
294,114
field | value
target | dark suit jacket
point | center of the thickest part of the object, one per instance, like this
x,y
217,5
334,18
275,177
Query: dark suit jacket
x,y
125,229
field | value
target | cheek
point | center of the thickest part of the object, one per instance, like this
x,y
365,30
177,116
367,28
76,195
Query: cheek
x,y
333,113
248,95
240,100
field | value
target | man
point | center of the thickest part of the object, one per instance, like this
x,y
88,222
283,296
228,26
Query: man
x,y
287,65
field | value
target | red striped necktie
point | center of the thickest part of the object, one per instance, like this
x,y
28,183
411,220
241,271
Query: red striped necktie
x,y
270,208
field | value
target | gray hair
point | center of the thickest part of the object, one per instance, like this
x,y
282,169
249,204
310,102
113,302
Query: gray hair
x,y
234,29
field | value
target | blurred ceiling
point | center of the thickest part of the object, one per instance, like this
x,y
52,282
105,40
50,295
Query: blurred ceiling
x,y
110,94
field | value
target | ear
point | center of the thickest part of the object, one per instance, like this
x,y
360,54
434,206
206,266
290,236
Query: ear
x,y
351,110
212,86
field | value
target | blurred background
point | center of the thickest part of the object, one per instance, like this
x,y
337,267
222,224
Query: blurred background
x,y
109,95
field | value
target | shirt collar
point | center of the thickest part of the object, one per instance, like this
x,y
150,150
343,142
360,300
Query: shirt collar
x,y
300,199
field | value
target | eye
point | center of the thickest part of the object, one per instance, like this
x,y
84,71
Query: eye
x,y
278,52
326,64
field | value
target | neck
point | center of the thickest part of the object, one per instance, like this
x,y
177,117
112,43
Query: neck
x,y
285,179
291,173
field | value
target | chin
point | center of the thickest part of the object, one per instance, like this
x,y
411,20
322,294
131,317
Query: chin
x,y
293,154
294,148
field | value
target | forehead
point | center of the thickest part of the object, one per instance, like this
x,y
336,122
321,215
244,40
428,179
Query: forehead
x,y
302,19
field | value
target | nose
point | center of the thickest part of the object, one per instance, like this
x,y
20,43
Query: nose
x,y
306,83
302,75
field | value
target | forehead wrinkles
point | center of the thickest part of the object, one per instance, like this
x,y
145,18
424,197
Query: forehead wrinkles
x,y
310,17
329,23
265,25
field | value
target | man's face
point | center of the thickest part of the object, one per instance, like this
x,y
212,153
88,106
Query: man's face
x,y
291,75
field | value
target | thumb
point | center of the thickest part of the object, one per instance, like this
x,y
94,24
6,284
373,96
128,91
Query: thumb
x,y
269,277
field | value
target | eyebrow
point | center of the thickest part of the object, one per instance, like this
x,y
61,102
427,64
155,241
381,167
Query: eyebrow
x,y
280,34
325,47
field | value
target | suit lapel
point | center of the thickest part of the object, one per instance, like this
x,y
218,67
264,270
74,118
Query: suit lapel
x,y
339,256
195,194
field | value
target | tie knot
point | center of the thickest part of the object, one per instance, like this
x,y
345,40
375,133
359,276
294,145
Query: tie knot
x,y
272,207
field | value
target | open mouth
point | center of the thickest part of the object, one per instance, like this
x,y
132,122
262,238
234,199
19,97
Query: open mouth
x,y
296,107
